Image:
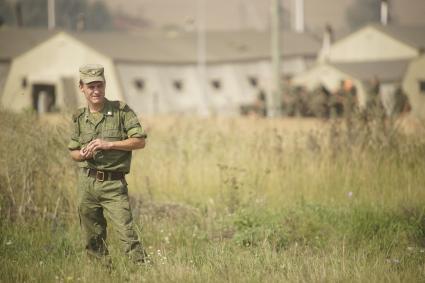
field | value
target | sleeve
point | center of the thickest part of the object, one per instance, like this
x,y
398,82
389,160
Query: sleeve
x,y
132,126
74,144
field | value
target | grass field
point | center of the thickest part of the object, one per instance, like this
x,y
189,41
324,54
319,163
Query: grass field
x,y
222,199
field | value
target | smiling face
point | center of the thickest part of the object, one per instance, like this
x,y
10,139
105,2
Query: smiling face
x,y
94,93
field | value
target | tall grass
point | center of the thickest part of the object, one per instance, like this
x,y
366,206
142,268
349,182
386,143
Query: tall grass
x,y
241,200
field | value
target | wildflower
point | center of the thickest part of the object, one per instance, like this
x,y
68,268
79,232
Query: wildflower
x,y
350,194
166,239
393,260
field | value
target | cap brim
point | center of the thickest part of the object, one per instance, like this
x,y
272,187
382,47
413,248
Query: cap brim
x,y
93,79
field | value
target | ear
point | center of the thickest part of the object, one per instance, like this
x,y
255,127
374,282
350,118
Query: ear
x,y
81,87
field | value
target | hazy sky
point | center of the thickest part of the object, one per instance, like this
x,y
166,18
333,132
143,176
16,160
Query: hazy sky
x,y
236,14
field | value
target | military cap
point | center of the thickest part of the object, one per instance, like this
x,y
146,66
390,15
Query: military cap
x,y
91,73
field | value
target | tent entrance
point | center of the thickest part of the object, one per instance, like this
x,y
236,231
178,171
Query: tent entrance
x,y
43,97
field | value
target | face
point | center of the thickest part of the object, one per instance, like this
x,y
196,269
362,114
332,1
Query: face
x,y
94,92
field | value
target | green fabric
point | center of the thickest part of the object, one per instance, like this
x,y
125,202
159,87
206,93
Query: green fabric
x,y
115,122
92,73
97,200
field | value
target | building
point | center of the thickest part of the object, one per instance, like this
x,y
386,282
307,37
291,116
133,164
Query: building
x,y
377,42
373,51
155,72
13,43
414,86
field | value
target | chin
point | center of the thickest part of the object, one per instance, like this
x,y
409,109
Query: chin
x,y
98,100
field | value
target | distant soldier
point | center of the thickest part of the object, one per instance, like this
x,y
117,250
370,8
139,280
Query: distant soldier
x,y
261,103
289,97
374,106
319,102
402,105
301,101
104,135
349,94
397,102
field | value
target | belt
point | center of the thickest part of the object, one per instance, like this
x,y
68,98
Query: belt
x,y
104,175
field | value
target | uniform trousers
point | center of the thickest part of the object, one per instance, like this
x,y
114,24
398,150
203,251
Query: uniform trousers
x,y
100,201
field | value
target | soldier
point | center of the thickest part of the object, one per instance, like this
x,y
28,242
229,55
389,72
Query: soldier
x,y
319,102
105,133
261,103
374,107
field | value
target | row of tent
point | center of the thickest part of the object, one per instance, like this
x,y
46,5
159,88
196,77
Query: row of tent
x,y
155,72
158,72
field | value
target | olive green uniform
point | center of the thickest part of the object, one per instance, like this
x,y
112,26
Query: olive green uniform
x,y
99,196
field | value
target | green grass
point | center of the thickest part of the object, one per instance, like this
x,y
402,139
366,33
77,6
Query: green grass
x,y
214,200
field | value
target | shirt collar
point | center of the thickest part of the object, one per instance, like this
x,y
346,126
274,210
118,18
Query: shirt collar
x,y
107,108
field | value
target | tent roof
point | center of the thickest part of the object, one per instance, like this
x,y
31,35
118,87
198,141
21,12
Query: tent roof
x,y
411,35
160,47
157,46
384,70
14,41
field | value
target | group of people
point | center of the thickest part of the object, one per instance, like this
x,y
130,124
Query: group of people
x,y
323,103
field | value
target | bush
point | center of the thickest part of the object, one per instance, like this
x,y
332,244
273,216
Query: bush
x,y
36,168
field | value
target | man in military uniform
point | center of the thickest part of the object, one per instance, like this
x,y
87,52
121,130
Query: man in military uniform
x,y
105,133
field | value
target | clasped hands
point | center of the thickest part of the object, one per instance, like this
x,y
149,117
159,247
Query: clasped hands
x,y
88,151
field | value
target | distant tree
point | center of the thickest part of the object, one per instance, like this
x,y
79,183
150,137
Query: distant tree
x,y
34,12
69,14
6,13
79,14
286,19
99,17
362,12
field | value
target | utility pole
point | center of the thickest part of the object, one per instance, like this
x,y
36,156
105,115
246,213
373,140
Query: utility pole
x,y
201,56
384,12
299,15
51,16
274,100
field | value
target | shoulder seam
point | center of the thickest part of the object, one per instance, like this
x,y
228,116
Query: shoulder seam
x,y
122,105
78,113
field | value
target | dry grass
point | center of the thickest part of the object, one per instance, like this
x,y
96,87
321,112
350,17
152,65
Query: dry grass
x,y
240,200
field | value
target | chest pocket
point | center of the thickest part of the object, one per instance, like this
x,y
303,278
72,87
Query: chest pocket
x,y
113,129
111,135
86,138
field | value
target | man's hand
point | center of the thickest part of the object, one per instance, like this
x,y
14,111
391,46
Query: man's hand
x,y
85,154
96,145
81,154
